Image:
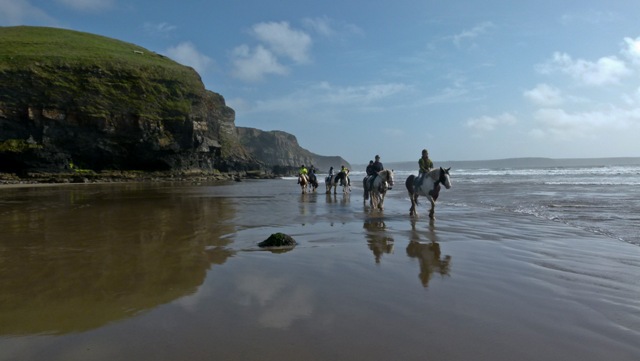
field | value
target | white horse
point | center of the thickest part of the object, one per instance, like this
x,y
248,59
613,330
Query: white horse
x,y
429,188
376,189
341,178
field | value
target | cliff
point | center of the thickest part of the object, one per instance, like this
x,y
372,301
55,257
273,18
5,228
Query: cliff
x,y
281,152
76,101
71,99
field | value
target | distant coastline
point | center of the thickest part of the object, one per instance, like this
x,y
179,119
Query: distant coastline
x,y
533,162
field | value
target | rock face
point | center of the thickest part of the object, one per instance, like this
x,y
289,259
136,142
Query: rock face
x,y
281,152
106,104
103,104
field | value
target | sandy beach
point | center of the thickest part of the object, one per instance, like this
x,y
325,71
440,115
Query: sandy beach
x,y
173,272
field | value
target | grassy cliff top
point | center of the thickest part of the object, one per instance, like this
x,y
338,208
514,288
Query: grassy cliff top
x,y
21,44
65,66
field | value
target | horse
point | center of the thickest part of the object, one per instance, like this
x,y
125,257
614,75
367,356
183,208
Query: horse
x,y
313,181
341,178
303,180
429,188
375,189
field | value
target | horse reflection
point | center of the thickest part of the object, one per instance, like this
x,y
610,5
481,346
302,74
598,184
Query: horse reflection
x,y
428,254
332,198
378,242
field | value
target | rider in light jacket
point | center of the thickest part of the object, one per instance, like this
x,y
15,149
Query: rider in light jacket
x,y
425,166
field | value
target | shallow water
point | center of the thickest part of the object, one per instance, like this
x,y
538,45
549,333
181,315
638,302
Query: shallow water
x,y
172,271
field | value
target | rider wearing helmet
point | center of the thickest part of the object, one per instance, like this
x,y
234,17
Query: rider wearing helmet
x,y
425,165
345,170
302,171
377,166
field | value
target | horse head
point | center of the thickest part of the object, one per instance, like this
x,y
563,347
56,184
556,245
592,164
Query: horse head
x,y
389,177
444,177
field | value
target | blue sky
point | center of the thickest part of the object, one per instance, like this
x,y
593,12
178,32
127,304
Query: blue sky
x,y
468,80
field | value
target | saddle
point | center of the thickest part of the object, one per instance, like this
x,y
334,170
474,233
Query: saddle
x,y
370,180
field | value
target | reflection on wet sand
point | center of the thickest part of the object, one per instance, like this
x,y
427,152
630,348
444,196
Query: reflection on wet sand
x,y
379,243
428,254
85,256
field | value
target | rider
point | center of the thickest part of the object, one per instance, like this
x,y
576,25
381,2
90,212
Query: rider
x,y
370,168
376,168
425,166
312,174
345,170
302,171
370,173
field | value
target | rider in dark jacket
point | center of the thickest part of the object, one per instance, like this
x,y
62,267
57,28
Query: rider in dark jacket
x,y
377,166
370,168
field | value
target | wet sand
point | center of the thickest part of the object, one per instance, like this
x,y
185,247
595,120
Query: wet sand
x,y
172,272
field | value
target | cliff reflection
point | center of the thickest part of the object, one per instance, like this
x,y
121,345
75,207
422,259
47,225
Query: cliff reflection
x,y
379,243
428,254
75,258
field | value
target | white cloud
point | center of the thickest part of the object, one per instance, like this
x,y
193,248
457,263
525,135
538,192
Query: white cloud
x,y
330,29
158,28
253,65
321,26
470,35
544,95
324,97
561,123
187,54
591,17
276,40
487,123
632,49
284,41
607,70
362,94
88,5
18,12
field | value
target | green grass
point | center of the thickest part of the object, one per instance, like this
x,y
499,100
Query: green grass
x,y
96,75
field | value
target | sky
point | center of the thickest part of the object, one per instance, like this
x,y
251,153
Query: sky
x,y
467,80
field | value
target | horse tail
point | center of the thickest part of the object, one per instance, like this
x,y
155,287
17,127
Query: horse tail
x,y
409,184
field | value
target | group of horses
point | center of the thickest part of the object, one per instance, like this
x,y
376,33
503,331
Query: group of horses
x,y
376,186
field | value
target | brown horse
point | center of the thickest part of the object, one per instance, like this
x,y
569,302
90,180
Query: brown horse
x,y
303,180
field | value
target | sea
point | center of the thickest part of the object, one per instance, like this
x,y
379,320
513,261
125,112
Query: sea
x,y
602,199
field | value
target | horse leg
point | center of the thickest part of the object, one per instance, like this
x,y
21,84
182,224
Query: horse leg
x,y
414,201
432,211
